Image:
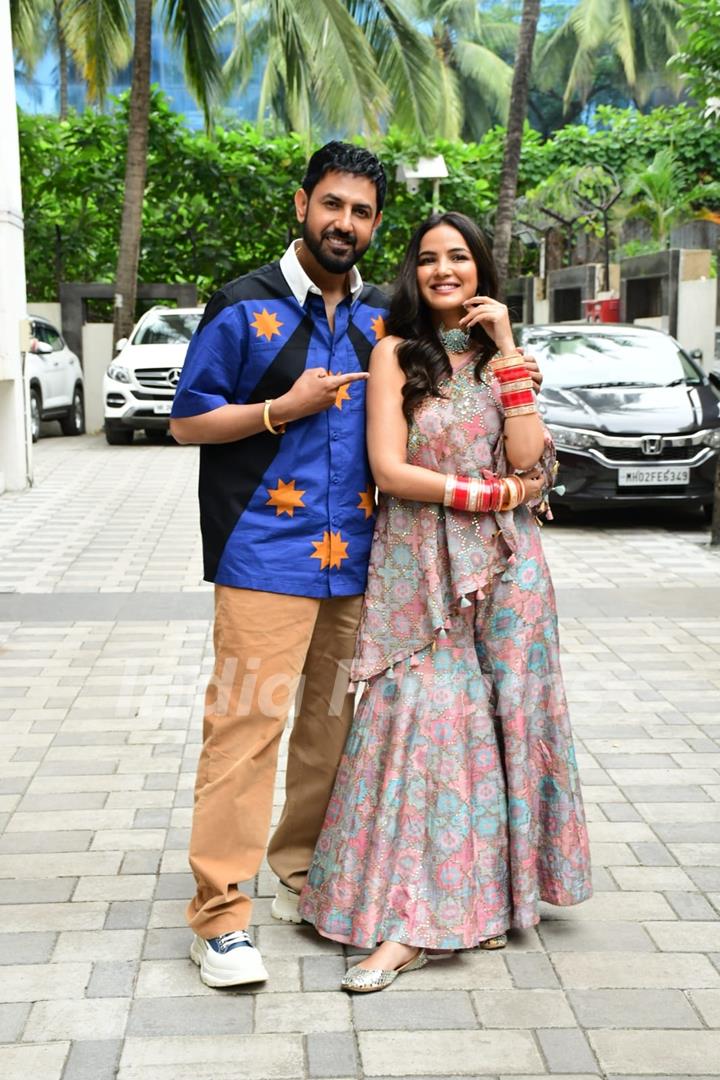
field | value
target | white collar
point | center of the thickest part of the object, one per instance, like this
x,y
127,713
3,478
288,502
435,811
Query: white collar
x,y
301,284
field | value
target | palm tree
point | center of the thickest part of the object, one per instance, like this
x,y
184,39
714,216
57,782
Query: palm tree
x,y
469,43
347,63
95,31
641,36
513,139
41,24
662,194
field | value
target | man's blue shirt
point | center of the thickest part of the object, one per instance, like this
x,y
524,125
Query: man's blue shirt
x,y
292,513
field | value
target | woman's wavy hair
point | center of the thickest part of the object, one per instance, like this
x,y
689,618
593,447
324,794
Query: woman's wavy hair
x,y
420,355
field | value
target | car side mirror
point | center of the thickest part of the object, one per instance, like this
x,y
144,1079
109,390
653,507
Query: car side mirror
x,y
121,344
42,348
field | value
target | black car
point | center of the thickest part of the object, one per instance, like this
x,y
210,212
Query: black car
x,y
635,419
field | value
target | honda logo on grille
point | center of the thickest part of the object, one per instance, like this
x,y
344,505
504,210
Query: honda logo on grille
x,y
173,376
651,445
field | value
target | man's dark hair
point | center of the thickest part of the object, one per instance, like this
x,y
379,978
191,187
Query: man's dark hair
x,y
344,157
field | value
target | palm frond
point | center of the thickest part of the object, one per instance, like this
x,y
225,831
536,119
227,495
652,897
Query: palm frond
x,y
190,26
99,37
408,66
29,41
621,36
490,74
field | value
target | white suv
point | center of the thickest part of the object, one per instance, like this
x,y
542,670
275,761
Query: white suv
x,y
55,380
139,385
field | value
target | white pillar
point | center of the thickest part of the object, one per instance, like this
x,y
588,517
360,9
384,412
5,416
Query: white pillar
x,y
14,431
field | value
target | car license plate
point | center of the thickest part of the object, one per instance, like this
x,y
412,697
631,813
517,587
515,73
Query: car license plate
x,y
163,408
654,477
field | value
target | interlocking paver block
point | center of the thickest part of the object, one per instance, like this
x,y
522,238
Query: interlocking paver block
x,y
93,1060
566,1051
597,971
414,1009
77,1019
31,948
12,1020
250,1056
322,972
634,1008
21,1062
127,915
331,1054
580,937
688,1053
219,1014
305,1012
37,982
112,979
531,970
447,1053
523,1009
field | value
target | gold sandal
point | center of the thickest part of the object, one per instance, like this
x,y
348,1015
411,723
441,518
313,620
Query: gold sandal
x,y
497,942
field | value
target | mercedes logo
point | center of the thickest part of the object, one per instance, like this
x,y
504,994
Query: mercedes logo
x,y
173,376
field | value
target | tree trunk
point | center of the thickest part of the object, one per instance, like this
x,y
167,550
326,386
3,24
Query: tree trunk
x,y
135,173
513,139
62,58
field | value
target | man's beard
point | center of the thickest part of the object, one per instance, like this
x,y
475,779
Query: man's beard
x,y
334,264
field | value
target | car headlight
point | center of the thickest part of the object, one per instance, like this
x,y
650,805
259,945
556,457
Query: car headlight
x,y
572,438
711,438
119,373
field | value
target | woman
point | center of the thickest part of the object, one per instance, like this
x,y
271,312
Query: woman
x,y
457,805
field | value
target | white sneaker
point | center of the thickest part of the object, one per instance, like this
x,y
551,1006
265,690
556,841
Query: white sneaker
x,y
285,905
228,960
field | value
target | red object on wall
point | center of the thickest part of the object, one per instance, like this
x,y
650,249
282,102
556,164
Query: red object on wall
x,y
606,311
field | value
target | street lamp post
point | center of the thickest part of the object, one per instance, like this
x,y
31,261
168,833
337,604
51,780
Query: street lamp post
x,y
14,426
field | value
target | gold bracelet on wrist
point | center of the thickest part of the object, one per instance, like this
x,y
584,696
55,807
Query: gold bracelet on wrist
x,y
268,423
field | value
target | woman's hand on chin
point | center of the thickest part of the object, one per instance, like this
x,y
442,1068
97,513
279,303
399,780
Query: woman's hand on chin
x,y
493,317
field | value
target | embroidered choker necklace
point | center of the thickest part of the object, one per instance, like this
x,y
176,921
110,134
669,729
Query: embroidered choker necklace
x,y
454,341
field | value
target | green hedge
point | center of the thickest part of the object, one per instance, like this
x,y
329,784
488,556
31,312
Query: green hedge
x,y
217,207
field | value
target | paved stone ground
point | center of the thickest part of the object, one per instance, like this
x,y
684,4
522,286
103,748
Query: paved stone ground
x,y
104,649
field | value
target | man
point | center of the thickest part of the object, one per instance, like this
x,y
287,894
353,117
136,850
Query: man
x,y
273,390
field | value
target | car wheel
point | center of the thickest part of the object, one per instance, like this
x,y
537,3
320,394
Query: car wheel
x,y
119,436
155,435
74,422
35,414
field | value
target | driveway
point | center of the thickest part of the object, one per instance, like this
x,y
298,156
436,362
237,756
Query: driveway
x,y
104,650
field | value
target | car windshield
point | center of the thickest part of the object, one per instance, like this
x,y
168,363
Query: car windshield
x,y
597,359
167,328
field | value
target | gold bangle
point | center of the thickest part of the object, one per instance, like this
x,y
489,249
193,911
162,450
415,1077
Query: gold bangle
x,y
267,422
449,489
520,410
508,356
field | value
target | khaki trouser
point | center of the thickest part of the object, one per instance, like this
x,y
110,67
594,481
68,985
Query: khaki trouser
x,y
269,647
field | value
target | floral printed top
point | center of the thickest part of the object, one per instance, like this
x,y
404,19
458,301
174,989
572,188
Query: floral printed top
x,y
427,559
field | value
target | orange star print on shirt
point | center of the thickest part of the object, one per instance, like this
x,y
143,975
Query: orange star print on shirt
x,y
331,550
367,501
378,327
343,392
285,498
266,324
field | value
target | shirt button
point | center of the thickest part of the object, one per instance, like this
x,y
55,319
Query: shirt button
x,y
334,478
335,522
335,436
